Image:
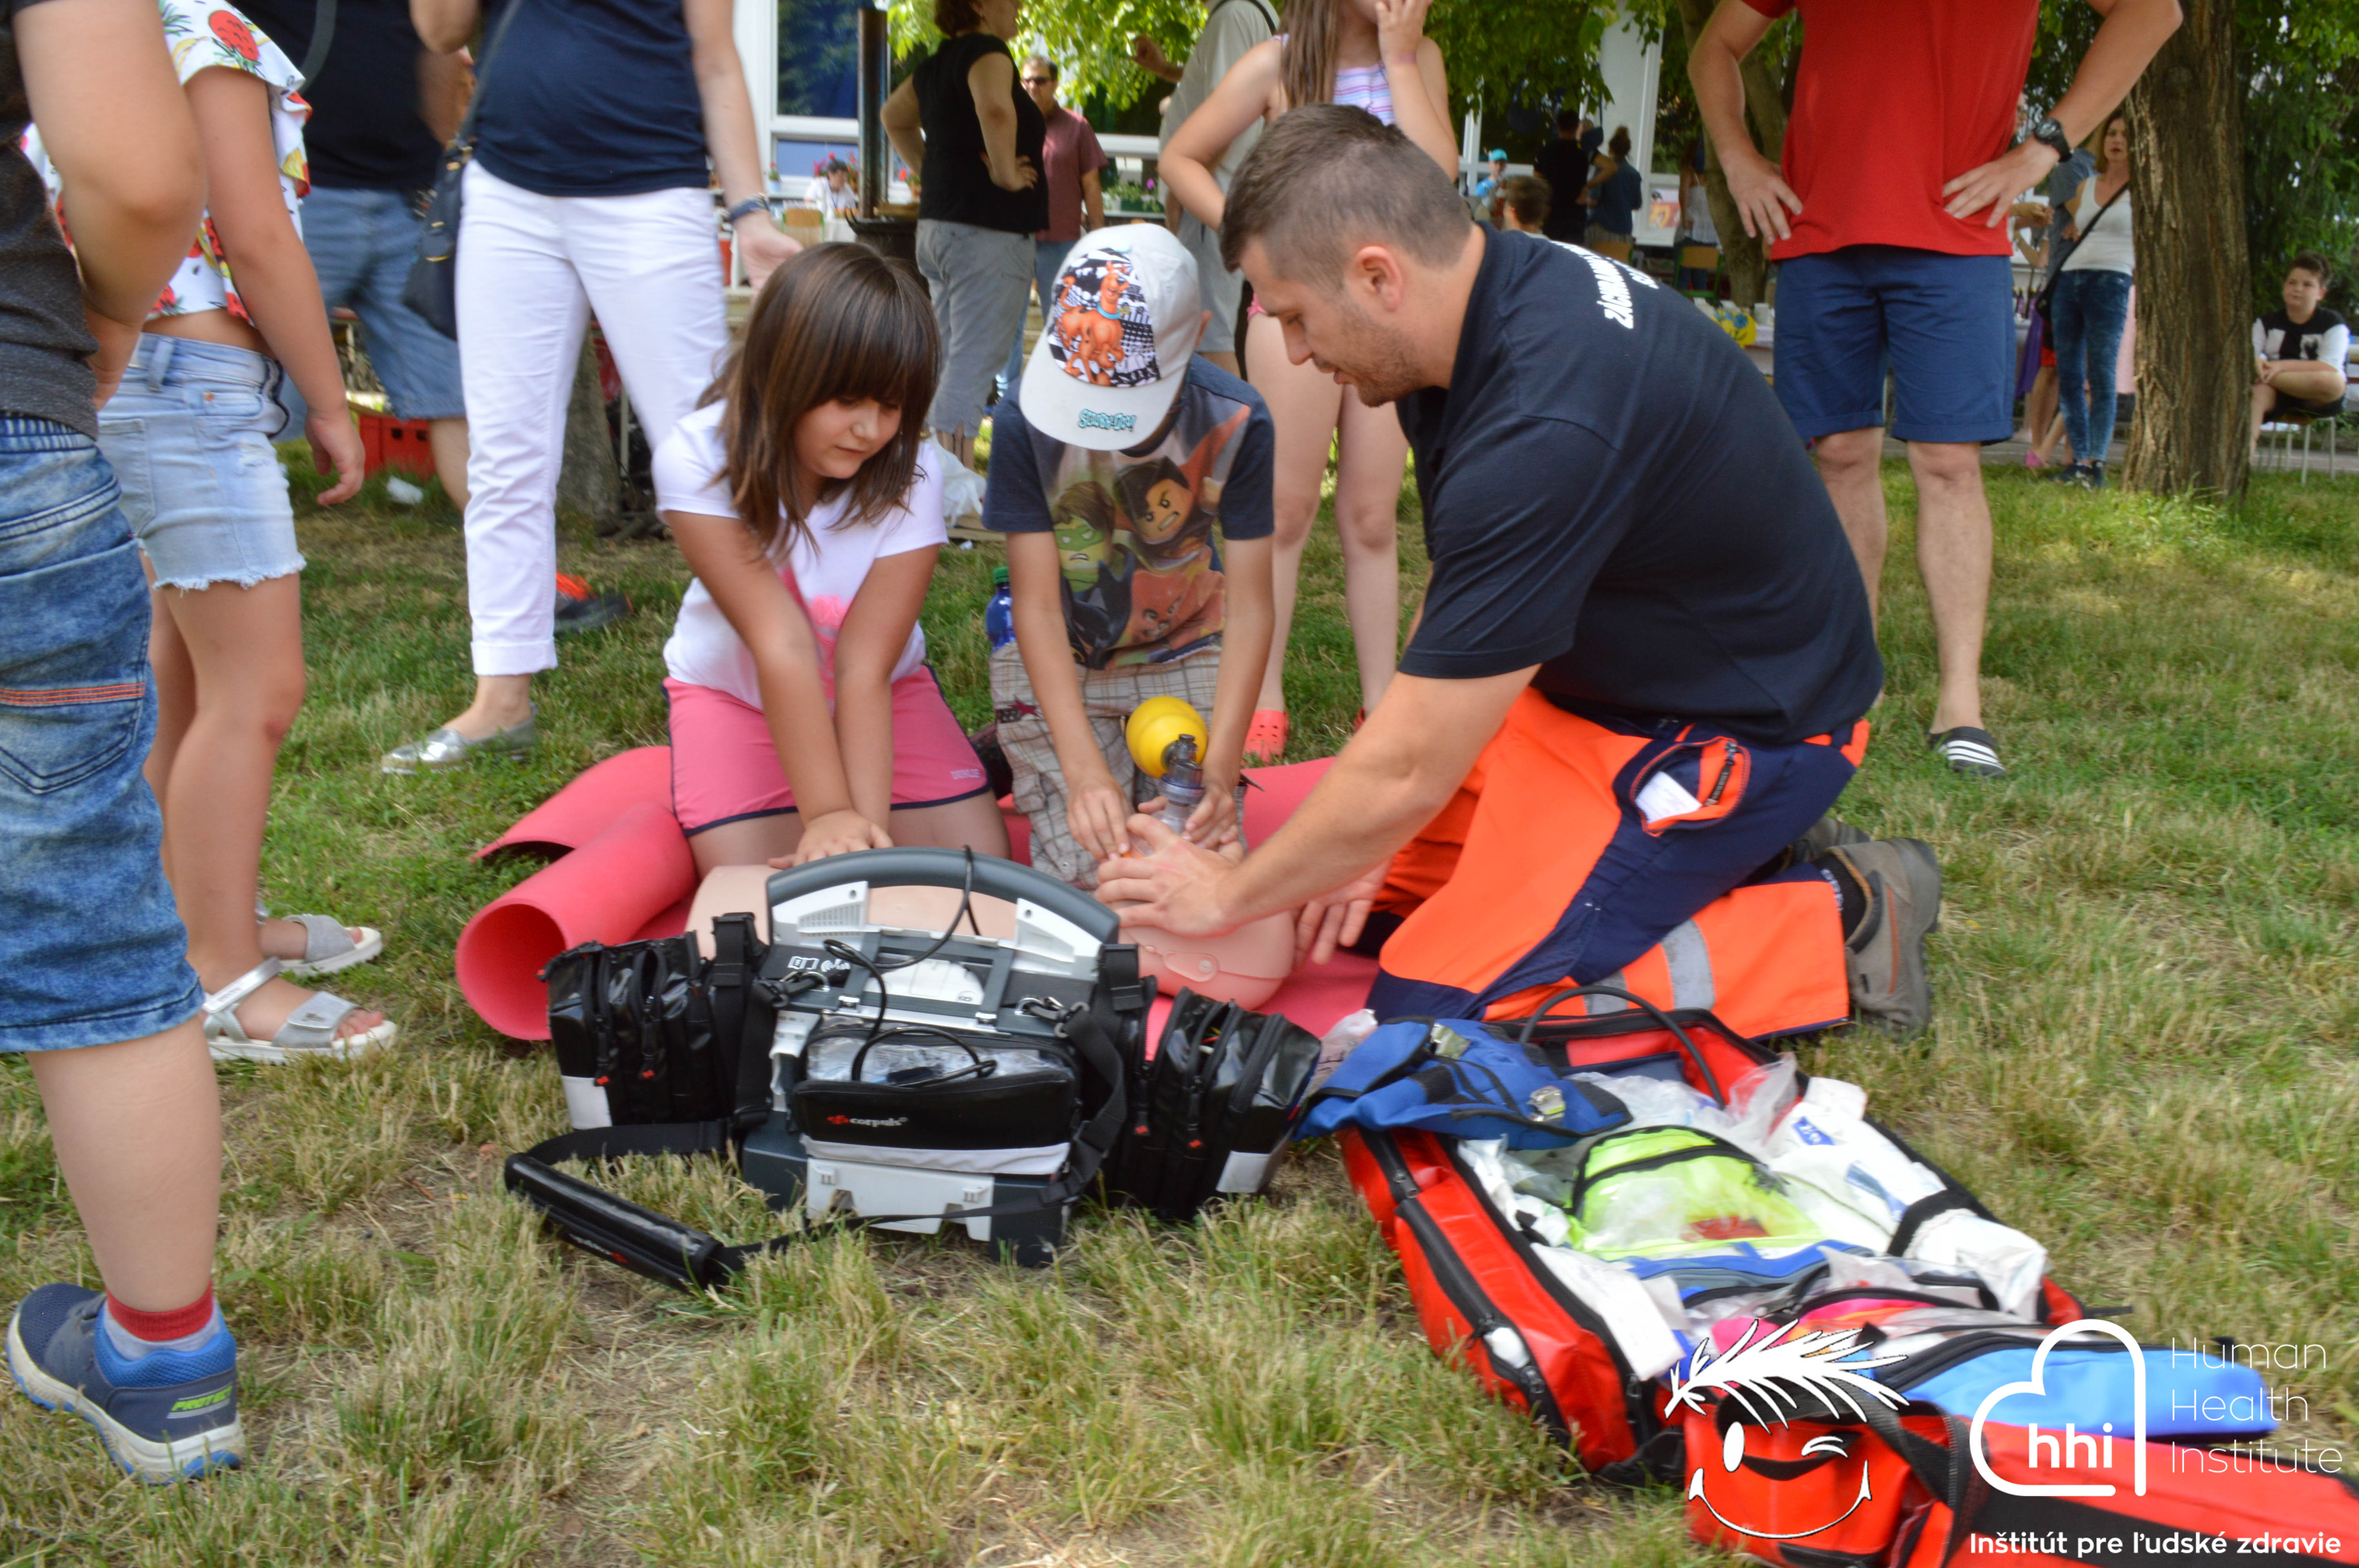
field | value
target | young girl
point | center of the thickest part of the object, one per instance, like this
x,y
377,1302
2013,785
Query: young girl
x,y
804,721
189,434
1373,53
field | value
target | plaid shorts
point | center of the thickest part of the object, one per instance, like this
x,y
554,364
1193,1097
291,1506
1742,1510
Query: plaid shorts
x,y
1108,696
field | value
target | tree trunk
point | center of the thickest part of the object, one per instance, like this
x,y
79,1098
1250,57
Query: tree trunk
x,y
1743,257
2194,296
587,479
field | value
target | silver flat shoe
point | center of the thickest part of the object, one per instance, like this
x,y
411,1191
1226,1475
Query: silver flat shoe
x,y
446,749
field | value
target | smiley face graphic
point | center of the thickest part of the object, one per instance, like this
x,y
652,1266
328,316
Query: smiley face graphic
x,y
1828,1448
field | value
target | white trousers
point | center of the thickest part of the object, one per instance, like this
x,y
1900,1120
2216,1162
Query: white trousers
x,y
532,269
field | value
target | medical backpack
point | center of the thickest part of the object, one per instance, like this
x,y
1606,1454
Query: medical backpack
x,y
1618,1353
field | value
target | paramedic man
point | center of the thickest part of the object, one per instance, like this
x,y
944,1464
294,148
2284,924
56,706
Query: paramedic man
x,y
1637,680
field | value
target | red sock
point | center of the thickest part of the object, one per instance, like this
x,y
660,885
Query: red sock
x,y
162,1327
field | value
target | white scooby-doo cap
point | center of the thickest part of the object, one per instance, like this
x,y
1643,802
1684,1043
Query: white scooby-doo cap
x,y
1120,331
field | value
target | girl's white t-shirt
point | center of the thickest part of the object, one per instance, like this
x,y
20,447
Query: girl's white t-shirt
x,y
825,568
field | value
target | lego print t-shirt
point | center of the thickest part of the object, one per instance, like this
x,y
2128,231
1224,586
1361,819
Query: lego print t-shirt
x,y
825,567
1139,532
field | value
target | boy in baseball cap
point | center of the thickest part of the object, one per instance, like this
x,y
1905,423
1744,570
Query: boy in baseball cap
x,y
1133,482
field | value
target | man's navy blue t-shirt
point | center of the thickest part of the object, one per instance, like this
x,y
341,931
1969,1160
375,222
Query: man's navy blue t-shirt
x,y
1612,492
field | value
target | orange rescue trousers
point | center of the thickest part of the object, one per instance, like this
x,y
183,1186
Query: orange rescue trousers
x,y
1581,851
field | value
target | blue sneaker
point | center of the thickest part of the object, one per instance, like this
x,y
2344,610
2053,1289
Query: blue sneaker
x,y
170,1415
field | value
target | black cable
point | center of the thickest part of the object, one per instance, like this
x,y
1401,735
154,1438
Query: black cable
x,y
837,949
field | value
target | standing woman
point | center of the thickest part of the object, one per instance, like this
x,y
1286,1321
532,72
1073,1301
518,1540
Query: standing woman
x,y
976,136
1613,192
590,191
236,342
2091,308
1373,54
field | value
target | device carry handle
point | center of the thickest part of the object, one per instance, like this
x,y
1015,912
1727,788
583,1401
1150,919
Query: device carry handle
x,y
926,867
1710,1079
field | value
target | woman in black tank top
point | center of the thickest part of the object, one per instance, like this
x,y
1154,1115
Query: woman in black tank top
x,y
976,136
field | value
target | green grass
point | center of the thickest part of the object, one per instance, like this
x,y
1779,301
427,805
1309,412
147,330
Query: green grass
x,y
2143,1054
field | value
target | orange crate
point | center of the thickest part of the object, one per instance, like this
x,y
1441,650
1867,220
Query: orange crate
x,y
401,445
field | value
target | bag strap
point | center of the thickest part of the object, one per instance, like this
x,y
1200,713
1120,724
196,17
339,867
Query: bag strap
x,y
465,138
2048,289
664,1249
1643,1005
324,30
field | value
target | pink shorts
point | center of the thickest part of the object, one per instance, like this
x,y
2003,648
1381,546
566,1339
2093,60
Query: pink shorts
x,y
725,768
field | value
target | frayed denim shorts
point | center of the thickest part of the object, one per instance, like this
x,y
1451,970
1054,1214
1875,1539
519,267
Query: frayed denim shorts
x,y
190,435
91,950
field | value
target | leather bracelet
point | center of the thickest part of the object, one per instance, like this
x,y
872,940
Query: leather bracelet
x,y
746,209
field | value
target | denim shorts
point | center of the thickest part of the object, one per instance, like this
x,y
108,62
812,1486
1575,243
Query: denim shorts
x,y
91,950
1944,324
362,243
189,435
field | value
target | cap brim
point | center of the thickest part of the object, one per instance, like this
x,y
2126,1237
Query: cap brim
x,y
1103,419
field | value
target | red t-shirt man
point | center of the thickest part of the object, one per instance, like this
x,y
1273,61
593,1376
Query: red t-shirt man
x,y
1893,100
1887,222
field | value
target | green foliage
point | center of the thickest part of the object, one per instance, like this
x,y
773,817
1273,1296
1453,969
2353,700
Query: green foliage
x,y
1089,39
1529,52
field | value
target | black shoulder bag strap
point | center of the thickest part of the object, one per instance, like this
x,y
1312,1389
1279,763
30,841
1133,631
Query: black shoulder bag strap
x,y
664,1249
324,30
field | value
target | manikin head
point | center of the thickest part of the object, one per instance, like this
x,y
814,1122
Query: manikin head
x,y
1344,224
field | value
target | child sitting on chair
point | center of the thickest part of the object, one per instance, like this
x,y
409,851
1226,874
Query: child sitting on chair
x,y
804,720
1133,482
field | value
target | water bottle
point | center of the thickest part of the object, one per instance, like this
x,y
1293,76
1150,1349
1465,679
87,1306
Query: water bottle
x,y
999,615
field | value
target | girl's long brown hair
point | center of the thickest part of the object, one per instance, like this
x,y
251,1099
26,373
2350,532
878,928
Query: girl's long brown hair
x,y
839,321
1306,65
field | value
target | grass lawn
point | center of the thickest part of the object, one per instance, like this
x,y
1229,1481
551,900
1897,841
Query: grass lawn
x,y
2144,1056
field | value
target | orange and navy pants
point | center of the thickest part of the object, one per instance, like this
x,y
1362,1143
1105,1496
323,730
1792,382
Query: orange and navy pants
x,y
1583,850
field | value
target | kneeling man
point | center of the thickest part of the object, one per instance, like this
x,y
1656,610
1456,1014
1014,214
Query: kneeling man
x,y
1637,682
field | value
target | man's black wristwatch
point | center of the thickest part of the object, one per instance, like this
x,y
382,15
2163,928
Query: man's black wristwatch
x,y
2050,135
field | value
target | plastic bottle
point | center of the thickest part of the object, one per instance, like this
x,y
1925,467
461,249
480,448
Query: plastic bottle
x,y
999,615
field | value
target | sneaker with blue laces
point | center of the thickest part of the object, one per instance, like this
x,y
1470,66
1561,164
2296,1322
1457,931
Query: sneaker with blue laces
x,y
166,1416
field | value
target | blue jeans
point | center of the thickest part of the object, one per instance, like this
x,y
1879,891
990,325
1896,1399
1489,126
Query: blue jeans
x,y
2090,309
189,435
91,950
362,243
1047,260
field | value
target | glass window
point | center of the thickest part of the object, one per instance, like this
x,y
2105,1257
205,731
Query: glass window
x,y
819,57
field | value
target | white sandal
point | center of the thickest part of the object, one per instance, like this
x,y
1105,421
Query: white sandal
x,y
328,945
309,1030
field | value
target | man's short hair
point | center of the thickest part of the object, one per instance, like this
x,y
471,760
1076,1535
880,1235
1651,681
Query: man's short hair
x,y
1528,197
1568,120
1046,64
1328,178
2313,263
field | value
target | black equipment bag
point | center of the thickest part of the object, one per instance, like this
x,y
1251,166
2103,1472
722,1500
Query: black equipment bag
x,y
1214,1109
775,1054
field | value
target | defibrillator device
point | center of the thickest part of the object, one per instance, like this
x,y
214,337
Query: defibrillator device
x,y
926,1039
